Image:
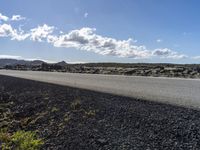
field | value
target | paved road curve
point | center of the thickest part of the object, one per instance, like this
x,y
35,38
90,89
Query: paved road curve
x,y
168,90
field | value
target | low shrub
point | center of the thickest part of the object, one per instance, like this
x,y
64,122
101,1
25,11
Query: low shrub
x,y
20,140
90,113
76,104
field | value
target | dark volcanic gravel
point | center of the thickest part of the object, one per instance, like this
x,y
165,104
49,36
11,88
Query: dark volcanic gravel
x,y
76,119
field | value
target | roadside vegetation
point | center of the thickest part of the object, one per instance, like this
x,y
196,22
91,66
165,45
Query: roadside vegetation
x,y
20,140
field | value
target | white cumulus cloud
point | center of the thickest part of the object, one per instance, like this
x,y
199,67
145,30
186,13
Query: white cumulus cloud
x,y
41,32
13,18
162,52
4,18
17,18
6,30
168,53
86,39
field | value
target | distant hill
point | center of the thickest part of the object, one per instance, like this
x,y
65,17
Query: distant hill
x,y
4,62
62,63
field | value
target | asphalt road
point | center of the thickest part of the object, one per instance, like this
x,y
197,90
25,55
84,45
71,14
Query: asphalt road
x,y
185,92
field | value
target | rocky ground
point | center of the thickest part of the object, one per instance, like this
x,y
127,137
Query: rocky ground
x,y
76,119
155,70
131,69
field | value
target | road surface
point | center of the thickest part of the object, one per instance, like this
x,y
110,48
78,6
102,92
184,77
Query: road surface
x,y
185,92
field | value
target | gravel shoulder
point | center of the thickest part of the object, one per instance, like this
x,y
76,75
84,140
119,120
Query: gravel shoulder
x,y
74,119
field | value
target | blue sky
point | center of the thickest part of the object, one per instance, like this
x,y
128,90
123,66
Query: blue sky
x,y
101,30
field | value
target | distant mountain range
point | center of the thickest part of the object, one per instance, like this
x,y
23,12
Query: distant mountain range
x,y
5,62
